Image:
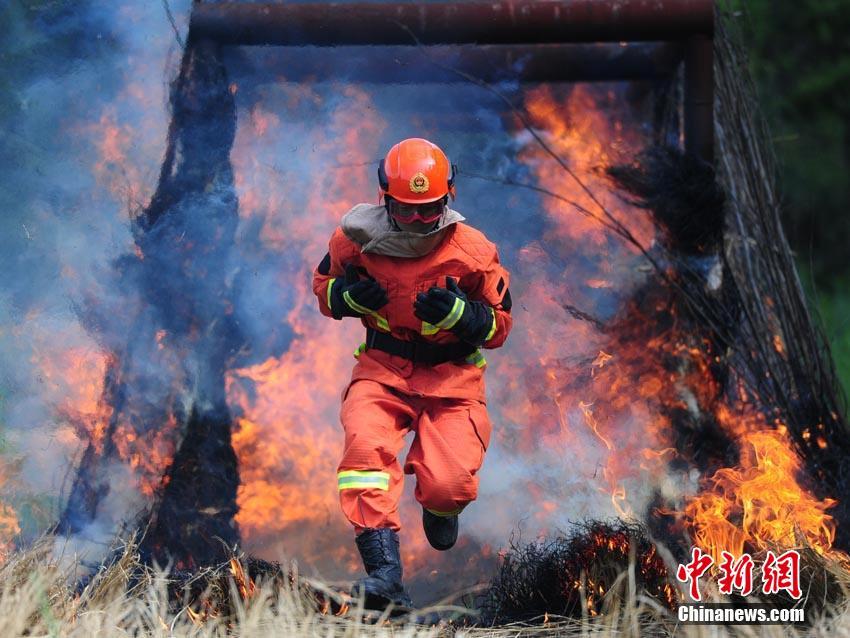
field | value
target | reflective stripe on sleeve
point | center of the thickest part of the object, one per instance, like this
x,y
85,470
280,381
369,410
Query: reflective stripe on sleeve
x,y
429,328
493,327
360,350
363,310
454,315
330,285
363,479
356,307
477,359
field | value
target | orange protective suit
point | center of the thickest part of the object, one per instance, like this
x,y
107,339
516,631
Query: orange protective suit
x,y
388,396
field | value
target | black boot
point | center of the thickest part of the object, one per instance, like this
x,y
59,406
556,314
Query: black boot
x,y
379,550
441,531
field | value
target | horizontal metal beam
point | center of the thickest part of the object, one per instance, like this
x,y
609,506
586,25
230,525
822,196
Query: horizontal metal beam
x,y
489,63
476,22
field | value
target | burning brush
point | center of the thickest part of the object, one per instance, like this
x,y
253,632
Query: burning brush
x,y
603,567
215,594
577,575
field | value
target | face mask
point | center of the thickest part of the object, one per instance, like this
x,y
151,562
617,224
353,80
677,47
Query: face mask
x,y
370,227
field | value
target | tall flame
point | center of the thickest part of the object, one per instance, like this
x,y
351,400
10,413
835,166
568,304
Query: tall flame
x,y
288,437
625,394
570,382
759,504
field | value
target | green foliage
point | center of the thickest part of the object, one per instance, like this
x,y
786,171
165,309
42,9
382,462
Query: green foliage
x,y
831,308
834,308
800,57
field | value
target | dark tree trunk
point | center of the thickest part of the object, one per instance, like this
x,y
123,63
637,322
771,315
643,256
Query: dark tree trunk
x,y
170,424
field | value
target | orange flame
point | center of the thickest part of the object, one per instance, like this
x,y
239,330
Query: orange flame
x,y
580,132
760,504
75,376
600,394
113,169
287,437
9,527
287,407
756,504
148,455
244,582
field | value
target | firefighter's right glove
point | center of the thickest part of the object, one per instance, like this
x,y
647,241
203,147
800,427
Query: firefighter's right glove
x,y
351,297
449,309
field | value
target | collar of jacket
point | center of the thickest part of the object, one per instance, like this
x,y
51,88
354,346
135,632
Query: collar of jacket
x,y
369,226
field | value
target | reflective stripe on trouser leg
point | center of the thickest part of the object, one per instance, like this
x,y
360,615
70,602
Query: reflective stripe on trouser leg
x,y
363,479
370,479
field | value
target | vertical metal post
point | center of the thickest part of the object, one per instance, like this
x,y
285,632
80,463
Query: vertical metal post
x,y
699,96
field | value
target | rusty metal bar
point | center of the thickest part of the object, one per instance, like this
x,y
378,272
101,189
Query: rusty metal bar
x,y
497,22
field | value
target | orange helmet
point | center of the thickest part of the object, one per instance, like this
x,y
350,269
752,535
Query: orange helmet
x,y
415,171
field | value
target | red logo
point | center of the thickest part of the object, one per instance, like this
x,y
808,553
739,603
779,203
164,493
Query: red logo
x,y
779,573
782,573
691,572
736,574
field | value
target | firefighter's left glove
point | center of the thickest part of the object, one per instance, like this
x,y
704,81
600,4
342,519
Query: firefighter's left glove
x,y
353,297
449,309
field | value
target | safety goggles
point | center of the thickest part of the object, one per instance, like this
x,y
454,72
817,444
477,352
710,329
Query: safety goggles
x,y
408,213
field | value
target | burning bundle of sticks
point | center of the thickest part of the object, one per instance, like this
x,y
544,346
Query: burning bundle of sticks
x,y
583,574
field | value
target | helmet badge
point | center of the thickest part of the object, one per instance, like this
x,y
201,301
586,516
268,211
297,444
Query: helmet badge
x,y
419,183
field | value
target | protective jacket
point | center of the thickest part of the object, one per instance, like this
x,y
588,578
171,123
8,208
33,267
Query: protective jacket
x,y
454,250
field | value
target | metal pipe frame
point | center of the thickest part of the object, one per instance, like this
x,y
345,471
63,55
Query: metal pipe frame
x,y
500,22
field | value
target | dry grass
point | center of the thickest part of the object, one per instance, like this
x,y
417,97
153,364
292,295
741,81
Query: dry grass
x,y
129,600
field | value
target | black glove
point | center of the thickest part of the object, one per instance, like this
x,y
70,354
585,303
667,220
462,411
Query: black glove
x,y
351,297
449,309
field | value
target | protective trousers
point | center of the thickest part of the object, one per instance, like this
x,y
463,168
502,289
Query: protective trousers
x,y
451,436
